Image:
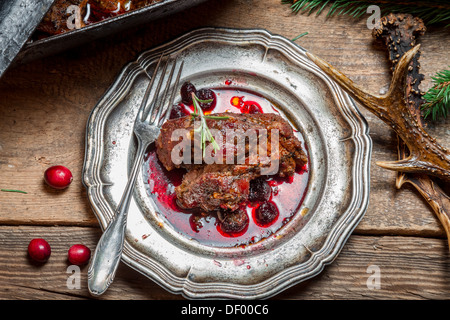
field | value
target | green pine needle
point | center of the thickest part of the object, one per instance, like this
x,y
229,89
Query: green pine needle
x,y
437,98
13,190
299,36
432,11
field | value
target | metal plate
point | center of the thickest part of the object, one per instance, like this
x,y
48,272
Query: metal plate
x,y
61,42
339,148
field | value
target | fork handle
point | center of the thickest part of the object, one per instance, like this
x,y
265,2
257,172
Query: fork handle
x,y
108,252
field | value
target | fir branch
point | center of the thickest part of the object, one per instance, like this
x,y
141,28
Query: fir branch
x,y
431,12
438,97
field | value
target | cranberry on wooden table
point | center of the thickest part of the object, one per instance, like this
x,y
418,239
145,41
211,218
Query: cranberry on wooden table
x,y
79,254
58,177
39,250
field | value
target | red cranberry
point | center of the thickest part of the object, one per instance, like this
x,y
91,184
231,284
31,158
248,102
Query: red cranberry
x,y
186,92
39,250
206,94
178,111
266,213
260,190
58,177
79,254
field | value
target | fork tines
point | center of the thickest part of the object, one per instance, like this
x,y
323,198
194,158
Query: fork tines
x,y
159,105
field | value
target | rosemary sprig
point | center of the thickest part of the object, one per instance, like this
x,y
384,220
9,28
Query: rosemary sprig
x,y
437,98
205,133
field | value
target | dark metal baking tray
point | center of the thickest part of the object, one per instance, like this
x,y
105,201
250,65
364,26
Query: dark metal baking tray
x,y
14,30
59,43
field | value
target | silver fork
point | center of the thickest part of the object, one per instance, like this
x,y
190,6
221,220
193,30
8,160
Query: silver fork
x,y
147,125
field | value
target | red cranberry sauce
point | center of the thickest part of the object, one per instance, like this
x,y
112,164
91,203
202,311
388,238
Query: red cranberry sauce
x,y
271,209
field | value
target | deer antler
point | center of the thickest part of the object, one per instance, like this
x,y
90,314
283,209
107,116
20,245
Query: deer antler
x,y
399,32
426,155
400,109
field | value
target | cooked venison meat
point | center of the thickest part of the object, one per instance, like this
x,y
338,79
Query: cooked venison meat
x,y
55,21
213,186
225,186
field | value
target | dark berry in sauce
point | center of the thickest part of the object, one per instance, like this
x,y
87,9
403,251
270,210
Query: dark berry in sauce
x,y
233,222
260,190
266,213
186,92
254,108
178,111
206,94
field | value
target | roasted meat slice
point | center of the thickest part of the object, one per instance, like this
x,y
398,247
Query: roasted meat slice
x,y
213,186
290,154
103,9
90,11
56,19
224,185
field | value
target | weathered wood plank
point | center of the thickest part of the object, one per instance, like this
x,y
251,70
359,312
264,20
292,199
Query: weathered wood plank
x,y
410,268
21,278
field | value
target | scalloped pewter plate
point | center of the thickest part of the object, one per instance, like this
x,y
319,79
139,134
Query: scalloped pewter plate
x,y
335,133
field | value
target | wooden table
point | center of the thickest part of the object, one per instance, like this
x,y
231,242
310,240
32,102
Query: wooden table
x,y
44,107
